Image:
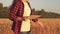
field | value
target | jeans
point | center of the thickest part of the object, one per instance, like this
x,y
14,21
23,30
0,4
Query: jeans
x,y
25,32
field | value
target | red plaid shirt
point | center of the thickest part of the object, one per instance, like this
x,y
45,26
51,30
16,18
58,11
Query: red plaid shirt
x,y
17,10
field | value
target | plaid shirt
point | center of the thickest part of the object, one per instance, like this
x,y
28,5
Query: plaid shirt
x,y
17,11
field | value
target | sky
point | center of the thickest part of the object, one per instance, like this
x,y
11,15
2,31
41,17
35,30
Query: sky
x,y
47,5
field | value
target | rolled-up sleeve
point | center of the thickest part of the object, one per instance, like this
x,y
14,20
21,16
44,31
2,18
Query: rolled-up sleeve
x,y
34,20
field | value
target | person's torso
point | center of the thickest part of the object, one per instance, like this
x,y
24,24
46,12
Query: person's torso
x,y
26,24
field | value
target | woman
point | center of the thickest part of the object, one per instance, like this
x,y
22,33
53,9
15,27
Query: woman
x,y
20,9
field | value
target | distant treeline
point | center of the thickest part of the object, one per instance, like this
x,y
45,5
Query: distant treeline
x,y
4,12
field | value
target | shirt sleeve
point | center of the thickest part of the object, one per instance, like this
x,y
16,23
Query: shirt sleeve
x,y
13,12
33,13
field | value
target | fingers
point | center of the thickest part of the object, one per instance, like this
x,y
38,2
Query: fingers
x,y
19,18
26,18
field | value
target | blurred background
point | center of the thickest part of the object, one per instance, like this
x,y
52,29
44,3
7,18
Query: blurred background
x,y
48,9
45,8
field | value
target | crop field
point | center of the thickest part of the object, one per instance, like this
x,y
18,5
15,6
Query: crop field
x,y
51,26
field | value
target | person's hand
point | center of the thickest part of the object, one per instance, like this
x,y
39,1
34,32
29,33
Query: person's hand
x,y
19,18
26,18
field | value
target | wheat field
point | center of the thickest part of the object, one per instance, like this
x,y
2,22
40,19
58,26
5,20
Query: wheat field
x,y
51,26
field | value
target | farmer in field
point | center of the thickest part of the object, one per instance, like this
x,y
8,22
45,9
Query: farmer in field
x,y
18,11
